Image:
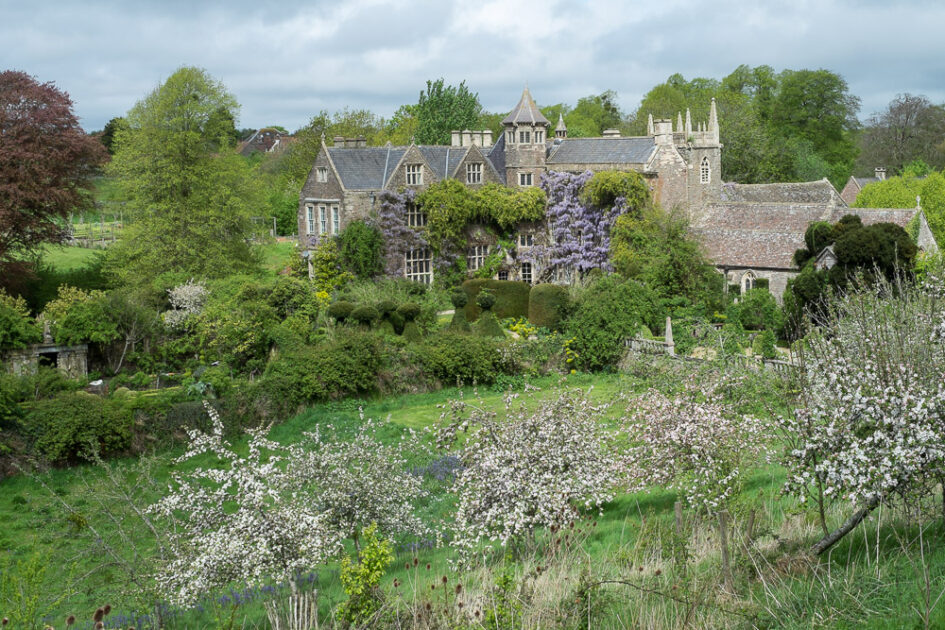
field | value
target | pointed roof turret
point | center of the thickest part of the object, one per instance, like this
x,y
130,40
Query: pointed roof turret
x,y
561,126
526,112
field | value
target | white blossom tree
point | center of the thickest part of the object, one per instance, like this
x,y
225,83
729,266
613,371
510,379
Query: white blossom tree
x,y
872,422
245,519
534,467
360,480
693,442
186,301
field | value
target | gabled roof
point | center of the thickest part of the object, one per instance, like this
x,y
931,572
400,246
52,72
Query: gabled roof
x,y
766,235
526,112
365,168
369,168
496,155
603,151
821,191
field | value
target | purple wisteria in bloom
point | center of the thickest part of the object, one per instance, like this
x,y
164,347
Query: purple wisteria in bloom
x,y
399,238
580,232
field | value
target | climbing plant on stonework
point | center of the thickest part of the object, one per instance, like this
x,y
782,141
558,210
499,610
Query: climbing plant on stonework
x,y
581,210
399,238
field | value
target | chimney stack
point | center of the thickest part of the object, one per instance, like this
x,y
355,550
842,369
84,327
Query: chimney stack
x,y
880,172
615,133
467,137
486,138
338,141
662,130
361,142
455,138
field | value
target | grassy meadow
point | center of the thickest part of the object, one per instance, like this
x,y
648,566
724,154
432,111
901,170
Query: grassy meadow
x,y
621,568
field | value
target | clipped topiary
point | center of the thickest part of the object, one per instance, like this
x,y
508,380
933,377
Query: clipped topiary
x,y
548,306
458,298
485,300
365,315
341,311
410,311
764,345
488,325
511,297
386,307
459,323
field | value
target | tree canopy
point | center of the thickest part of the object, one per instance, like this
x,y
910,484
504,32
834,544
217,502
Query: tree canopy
x,y
910,128
46,166
443,108
192,196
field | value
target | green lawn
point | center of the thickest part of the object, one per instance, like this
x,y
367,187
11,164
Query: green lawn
x,y
276,255
66,258
868,581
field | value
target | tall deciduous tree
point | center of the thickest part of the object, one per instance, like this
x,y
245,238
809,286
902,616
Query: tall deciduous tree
x,y
46,165
443,108
192,196
910,128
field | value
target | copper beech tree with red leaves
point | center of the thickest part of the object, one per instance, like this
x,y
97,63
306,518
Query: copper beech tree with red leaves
x,y
46,165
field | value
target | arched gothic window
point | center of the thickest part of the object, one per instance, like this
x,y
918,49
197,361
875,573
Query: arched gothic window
x,y
748,281
704,171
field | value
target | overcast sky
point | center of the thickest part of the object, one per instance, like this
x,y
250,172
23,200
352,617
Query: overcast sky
x,y
284,61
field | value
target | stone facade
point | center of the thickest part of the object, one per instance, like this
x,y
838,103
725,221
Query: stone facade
x,y
71,360
750,232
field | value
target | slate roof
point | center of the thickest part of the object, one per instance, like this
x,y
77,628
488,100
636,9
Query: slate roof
x,y
369,168
363,168
765,235
821,191
603,151
863,181
496,155
526,112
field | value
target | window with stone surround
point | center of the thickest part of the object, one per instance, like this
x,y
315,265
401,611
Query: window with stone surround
x,y
322,219
524,137
526,272
538,137
418,265
526,240
524,179
414,174
748,281
335,219
476,256
310,219
705,171
321,174
504,274
474,173
416,217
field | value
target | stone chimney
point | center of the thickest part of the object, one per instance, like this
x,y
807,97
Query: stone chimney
x,y
615,133
338,141
880,172
467,137
361,142
486,138
663,131
455,138
477,138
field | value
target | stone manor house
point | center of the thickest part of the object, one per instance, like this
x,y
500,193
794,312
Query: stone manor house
x,y
748,231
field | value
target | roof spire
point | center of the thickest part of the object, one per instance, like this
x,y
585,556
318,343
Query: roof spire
x,y
649,125
561,129
688,128
679,127
526,112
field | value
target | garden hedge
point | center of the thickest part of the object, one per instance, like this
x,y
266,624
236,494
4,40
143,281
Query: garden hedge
x,y
548,305
511,297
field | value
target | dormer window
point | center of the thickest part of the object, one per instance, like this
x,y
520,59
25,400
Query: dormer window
x,y
321,174
474,173
705,171
414,174
524,137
